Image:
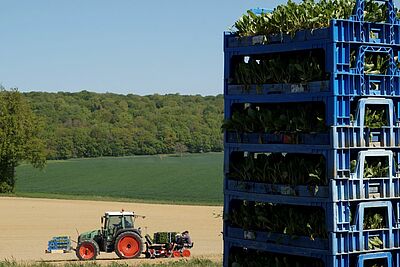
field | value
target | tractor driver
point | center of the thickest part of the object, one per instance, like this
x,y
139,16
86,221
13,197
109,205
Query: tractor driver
x,y
118,224
186,238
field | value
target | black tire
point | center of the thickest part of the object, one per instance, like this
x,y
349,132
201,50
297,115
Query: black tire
x,y
87,250
128,245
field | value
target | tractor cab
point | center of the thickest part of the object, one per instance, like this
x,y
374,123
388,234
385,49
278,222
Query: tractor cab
x,y
113,222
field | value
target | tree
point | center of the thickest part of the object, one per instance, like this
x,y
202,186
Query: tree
x,y
20,138
180,148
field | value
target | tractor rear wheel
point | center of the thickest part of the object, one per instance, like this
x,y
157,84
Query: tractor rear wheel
x,y
128,245
87,250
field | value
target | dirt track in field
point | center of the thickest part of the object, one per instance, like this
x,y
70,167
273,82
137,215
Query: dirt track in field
x,y
27,224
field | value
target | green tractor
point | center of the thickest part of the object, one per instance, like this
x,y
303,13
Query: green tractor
x,y
116,234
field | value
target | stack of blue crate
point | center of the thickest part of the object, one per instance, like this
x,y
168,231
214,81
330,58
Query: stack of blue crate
x,y
59,244
351,192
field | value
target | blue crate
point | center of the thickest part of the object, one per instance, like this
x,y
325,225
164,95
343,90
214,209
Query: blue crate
x,y
278,239
365,85
369,189
352,84
331,155
338,217
354,134
343,58
358,187
338,161
338,190
364,137
317,193
285,198
338,109
337,137
59,243
353,240
336,244
345,79
357,242
279,138
354,30
339,31
344,185
389,258
273,89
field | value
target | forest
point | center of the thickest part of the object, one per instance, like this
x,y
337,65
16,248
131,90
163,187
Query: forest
x,y
87,124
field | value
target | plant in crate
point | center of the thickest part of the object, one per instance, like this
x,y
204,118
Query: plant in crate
x,y
237,124
374,220
374,63
306,70
279,123
243,126
243,75
243,171
375,12
375,118
279,69
375,170
373,167
290,18
286,172
293,221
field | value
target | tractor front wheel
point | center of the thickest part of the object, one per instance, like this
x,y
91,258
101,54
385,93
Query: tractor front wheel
x,y
128,245
87,250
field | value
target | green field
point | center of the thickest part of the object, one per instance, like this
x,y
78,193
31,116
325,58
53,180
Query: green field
x,y
194,178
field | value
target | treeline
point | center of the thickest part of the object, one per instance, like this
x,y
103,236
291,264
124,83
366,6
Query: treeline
x,y
87,124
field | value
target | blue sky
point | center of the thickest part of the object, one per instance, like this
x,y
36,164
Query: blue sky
x,y
125,46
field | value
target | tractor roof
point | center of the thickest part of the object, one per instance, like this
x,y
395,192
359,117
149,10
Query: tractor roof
x,y
119,213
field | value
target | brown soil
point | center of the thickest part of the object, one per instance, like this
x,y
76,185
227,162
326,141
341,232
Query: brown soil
x,y
27,224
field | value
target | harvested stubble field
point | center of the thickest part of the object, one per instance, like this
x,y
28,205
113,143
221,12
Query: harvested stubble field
x,y
27,224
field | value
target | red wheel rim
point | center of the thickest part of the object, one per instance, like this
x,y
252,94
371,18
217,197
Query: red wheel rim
x,y
87,251
128,246
176,254
186,253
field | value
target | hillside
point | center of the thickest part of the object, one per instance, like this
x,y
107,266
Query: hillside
x,y
89,124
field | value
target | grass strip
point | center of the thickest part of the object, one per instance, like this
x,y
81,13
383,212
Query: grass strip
x,y
183,262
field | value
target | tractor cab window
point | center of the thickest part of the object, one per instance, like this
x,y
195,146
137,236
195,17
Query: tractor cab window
x,y
128,222
119,222
114,223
